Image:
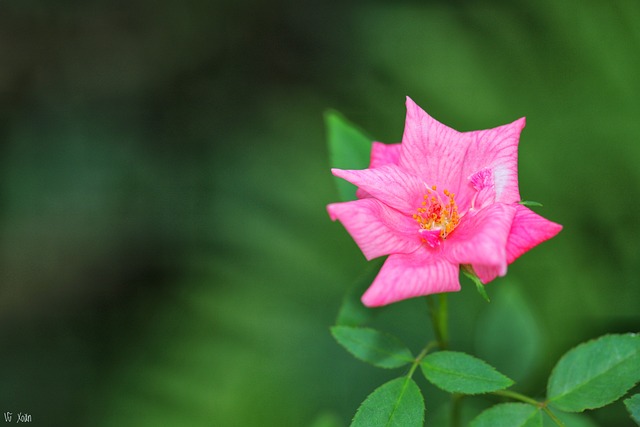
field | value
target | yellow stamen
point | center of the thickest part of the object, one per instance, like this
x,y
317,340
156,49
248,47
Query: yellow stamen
x,y
436,214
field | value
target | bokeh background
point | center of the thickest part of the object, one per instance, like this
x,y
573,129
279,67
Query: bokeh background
x,y
165,253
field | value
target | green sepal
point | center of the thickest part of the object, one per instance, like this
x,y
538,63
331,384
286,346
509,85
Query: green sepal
x,y
530,203
468,271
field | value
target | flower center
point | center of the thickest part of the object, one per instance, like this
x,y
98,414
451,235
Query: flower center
x,y
437,218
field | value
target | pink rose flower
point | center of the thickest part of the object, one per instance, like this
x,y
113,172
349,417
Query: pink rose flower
x,y
439,200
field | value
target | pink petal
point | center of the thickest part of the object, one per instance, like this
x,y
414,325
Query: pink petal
x,y
377,229
497,150
388,184
410,275
481,237
528,230
361,194
482,179
384,154
431,237
431,150
445,157
381,154
482,182
487,273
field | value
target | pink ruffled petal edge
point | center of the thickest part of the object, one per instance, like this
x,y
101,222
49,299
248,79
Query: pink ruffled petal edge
x,y
377,229
411,275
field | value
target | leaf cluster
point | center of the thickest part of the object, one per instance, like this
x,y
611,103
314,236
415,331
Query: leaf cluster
x,y
591,375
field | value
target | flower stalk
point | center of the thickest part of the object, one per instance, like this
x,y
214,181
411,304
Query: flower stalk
x,y
439,319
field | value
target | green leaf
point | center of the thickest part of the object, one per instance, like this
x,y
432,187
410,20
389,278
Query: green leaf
x,y
397,403
633,406
457,372
509,415
352,312
595,373
530,203
349,148
371,346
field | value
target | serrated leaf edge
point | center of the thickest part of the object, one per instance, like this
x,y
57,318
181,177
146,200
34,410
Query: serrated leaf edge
x,y
551,400
397,402
511,382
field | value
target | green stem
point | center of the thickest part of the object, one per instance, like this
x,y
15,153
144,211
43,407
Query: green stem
x,y
439,322
455,409
526,399
517,396
443,320
439,319
421,356
555,419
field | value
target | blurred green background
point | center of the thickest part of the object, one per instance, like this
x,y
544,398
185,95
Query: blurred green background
x,y
165,253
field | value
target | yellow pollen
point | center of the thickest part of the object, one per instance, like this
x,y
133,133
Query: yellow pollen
x,y
436,214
